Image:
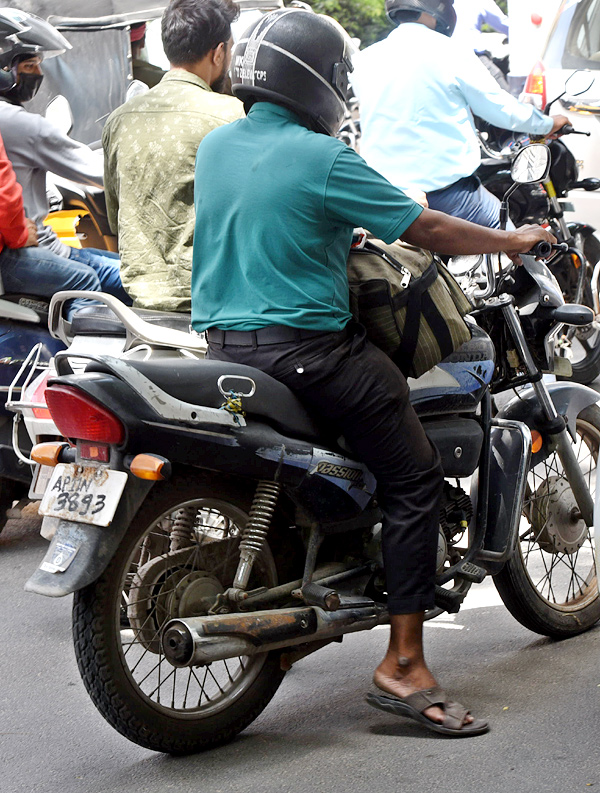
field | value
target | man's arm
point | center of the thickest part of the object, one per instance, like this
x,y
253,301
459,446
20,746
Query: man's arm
x,y
486,99
110,181
14,229
443,233
55,152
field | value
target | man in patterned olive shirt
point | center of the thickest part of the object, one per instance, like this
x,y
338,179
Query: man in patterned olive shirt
x,y
151,143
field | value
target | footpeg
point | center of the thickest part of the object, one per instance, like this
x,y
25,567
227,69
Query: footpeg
x,y
448,600
471,572
324,597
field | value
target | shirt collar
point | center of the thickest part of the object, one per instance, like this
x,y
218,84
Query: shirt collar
x,y
268,110
187,77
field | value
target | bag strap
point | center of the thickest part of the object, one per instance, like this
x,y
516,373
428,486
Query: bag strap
x,y
419,303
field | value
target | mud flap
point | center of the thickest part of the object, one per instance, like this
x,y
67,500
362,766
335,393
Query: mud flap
x,y
80,552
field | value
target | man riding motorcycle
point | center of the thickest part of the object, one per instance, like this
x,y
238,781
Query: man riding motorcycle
x,y
418,90
35,146
276,205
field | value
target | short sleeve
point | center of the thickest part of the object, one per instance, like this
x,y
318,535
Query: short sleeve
x,y
357,195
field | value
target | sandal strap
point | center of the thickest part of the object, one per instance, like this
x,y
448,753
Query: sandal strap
x,y
421,700
454,715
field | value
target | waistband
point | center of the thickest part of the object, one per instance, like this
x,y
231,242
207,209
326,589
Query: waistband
x,y
273,334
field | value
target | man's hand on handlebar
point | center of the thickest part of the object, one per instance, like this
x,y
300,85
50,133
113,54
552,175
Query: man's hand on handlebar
x,y
559,123
524,239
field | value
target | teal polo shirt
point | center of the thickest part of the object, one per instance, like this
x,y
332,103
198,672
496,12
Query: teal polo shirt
x,y
276,205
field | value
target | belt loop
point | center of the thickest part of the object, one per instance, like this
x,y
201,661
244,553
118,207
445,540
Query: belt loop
x,y
254,340
298,335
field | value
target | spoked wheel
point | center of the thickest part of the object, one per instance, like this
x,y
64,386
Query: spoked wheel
x,y
550,584
180,553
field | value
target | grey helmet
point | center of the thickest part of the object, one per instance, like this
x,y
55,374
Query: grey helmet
x,y
399,11
297,59
22,36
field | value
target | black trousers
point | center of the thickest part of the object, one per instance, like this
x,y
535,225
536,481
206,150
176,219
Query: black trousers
x,y
347,381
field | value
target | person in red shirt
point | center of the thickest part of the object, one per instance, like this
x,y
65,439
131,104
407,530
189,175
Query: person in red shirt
x,y
24,267
16,231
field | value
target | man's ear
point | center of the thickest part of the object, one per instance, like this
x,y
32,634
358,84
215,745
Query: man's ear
x,y
218,54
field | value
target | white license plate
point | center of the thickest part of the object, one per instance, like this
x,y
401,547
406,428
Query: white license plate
x,y
83,493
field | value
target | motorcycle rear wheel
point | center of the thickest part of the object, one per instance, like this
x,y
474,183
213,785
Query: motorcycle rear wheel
x,y
117,622
550,584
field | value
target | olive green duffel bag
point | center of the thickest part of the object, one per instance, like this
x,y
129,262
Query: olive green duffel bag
x,y
410,304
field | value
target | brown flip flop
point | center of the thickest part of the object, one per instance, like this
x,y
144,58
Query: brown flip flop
x,y
414,704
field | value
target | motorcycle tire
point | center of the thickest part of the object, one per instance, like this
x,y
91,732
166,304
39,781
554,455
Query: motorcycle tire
x,y
550,584
586,366
117,621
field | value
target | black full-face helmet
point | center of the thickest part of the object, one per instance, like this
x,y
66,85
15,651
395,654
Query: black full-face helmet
x,y
399,11
298,59
23,36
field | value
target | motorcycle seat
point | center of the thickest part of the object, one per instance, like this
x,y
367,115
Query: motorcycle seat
x,y
101,321
195,381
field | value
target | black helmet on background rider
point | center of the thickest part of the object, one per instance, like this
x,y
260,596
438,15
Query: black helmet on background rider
x,y
297,59
400,11
24,36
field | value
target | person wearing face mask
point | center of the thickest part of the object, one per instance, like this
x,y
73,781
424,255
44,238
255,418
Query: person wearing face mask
x,y
151,143
35,146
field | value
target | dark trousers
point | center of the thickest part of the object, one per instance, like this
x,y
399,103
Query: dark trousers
x,y
346,381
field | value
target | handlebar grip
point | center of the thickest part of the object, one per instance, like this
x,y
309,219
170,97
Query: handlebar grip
x,y
541,250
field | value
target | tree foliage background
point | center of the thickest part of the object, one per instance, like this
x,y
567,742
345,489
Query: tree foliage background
x,y
364,19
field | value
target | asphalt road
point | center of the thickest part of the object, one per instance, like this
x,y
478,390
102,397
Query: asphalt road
x,y
541,697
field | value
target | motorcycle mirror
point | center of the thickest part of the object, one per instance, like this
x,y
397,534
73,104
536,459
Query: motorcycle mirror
x,y
464,265
579,82
59,113
531,164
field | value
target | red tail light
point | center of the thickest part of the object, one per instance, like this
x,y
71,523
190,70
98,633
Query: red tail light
x,y
39,396
535,87
79,416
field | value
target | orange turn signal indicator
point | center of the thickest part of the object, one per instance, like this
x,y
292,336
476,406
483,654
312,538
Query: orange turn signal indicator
x,y
536,441
48,453
150,466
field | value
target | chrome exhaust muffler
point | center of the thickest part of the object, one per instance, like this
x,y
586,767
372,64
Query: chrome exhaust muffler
x,y
196,641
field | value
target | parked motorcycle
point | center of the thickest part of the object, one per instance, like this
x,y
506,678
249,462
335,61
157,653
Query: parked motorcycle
x,y
214,533
578,268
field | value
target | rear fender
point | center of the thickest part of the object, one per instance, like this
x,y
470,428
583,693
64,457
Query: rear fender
x,y
89,548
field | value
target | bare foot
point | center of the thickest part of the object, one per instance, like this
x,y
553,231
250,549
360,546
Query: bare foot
x,y
399,676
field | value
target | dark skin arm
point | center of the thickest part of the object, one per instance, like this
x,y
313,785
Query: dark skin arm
x,y
439,232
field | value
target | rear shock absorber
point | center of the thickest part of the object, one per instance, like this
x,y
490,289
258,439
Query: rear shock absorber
x,y
182,530
255,534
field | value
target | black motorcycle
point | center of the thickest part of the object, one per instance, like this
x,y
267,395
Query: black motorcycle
x,y
214,533
577,269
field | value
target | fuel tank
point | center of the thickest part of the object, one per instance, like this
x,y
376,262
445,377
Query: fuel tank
x,y
458,383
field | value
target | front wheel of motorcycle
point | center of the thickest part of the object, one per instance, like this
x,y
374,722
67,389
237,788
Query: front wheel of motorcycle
x,y
180,553
550,585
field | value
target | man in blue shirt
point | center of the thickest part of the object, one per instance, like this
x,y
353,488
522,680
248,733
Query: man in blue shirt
x,y
418,90
276,204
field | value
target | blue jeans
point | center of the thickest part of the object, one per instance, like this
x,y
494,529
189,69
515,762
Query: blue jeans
x,y
40,273
468,199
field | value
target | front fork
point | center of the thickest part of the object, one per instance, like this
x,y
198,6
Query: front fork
x,y
556,425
